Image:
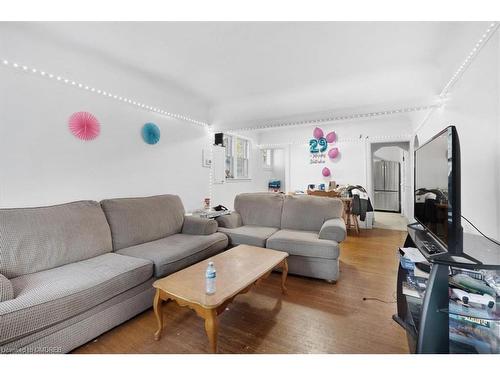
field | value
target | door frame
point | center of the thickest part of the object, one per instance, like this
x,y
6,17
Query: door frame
x,y
406,181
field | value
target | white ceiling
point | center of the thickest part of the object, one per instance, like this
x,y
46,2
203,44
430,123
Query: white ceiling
x,y
254,71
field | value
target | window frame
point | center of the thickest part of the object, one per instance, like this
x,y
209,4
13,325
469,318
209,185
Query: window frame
x,y
267,155
232,161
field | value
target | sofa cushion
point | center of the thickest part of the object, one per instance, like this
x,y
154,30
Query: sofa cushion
x,y
199,225
37,239
6,290
262,209
306,212
248,235
333,229
134,221
233,220
303,243
178,251
51,296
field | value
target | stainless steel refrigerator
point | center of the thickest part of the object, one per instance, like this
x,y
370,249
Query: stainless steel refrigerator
x,y
387,175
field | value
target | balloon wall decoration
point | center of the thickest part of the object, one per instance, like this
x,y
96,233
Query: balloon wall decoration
x,y
318,147
150,133
333,153
331,137
84,126
317,133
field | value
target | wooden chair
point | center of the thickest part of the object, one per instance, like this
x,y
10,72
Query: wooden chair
x,y
351,220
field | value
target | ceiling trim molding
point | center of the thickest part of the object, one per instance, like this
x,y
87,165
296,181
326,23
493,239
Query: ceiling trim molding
x,y
79,85
340,140
469,59
353,116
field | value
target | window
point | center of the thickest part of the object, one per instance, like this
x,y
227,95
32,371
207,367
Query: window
x,y
237,157
267,159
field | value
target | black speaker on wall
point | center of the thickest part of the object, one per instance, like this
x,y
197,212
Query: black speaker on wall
x,y
219,139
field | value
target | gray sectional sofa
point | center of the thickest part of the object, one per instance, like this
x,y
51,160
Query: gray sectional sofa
x,y
309,228
70,272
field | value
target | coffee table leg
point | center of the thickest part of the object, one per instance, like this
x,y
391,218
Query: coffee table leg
x,y
284,274
211,326
157,306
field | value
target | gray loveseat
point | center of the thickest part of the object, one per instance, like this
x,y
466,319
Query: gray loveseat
x,y
309,228
70,272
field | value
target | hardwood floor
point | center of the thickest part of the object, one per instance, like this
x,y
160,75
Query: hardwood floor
x,y
315,317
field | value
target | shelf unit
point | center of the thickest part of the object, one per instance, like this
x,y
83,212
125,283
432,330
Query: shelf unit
x,y
434,323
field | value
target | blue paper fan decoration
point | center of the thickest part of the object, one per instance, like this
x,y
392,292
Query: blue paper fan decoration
x,y
150,133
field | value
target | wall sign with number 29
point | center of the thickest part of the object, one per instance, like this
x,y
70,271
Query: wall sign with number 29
x,y
318,147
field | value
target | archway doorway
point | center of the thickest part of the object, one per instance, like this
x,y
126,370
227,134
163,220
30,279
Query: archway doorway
x,y
391,184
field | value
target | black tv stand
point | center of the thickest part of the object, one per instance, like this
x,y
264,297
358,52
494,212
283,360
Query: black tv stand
x,y
425,242
426,319
425,325
471,259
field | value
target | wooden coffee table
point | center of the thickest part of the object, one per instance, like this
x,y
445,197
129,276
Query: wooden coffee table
x,y
238,269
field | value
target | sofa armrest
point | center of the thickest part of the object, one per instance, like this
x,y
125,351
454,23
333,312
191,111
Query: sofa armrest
x,y
6,290
333,229
199,225
233,220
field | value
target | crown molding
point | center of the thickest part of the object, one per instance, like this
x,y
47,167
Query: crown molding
x,y
360,139
316,120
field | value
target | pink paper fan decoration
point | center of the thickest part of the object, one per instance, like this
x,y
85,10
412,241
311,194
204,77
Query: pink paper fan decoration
x,y
317,133
333,153
331,137
326,171
84,126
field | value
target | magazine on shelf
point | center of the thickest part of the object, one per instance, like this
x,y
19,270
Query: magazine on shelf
x,y
412,290
480,334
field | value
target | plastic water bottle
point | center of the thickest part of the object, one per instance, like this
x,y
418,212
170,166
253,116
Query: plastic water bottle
x,y
210,275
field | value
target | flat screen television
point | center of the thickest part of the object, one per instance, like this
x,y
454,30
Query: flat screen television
x,y
437,189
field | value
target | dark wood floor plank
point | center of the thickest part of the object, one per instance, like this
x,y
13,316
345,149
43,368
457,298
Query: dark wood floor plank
x,y
315,317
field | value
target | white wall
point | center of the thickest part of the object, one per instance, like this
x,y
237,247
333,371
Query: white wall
x,y
278,172
353,141
473,109
390,153
42,163
259,177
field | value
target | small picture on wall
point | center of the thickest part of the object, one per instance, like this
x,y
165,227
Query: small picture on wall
x,y
206,158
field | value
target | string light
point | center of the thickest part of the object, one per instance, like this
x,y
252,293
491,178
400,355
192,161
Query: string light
x,y
468,59
41,73
458,73
340,118
211,171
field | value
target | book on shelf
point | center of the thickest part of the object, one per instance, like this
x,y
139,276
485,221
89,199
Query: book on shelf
x,y
419,273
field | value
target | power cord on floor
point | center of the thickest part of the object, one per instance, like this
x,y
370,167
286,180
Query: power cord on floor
x,y
377,299
381,300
